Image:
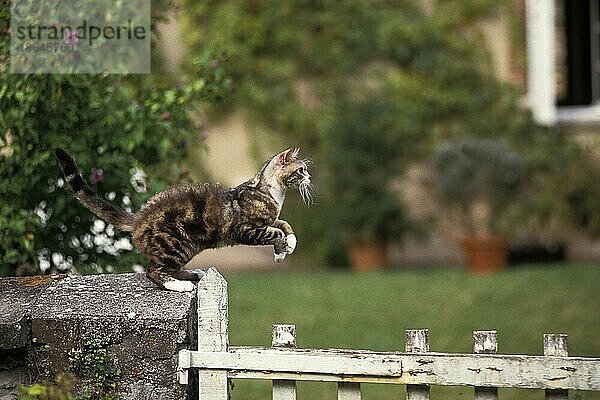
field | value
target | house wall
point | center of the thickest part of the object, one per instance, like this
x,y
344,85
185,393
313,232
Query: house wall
x,y
228,160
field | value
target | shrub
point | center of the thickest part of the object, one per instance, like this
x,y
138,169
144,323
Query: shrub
x,y
125,131
479,178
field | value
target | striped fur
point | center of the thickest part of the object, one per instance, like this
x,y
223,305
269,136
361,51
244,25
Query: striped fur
x,y
176,224
86,196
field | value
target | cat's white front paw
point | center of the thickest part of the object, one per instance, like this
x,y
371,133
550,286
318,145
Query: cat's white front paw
x,y
179,286
291,242
279,257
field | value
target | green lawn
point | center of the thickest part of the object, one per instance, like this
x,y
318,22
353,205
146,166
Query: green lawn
x,y
371,311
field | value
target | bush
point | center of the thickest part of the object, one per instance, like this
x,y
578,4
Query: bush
x,y
478,176
125,132
561,185
365,154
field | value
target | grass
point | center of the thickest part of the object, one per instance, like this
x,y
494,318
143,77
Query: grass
x,y
372,311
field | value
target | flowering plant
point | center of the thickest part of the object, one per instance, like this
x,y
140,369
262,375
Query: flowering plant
x,y
124,131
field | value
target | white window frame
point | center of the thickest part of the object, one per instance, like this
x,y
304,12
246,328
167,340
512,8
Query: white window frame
x,y
541,90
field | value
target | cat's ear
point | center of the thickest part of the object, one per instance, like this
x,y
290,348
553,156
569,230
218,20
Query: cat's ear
x,y
286,156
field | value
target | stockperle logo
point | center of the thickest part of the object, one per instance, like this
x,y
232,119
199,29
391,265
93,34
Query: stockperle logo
x,y
70,36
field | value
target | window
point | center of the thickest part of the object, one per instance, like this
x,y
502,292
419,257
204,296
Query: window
x,y
577,24
563,60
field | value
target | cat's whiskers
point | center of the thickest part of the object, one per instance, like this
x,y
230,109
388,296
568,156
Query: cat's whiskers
x,y
306,190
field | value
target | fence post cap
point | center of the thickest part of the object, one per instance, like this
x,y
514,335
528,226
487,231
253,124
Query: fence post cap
x,y
555,344
485,342
284,335
417,341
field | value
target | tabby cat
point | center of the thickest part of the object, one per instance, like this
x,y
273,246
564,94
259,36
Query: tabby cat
x,y
174,225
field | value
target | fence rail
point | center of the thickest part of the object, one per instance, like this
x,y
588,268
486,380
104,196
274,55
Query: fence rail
x,y
417,367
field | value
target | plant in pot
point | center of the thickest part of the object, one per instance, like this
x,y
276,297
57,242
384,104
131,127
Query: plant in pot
x,y
364,153
479,180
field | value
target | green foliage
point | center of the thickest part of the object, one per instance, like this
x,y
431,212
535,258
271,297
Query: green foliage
x,y
89,51
482,175
365,156
297,65
562,188
291,61
584,196
62,390
91,367
124,131
93,364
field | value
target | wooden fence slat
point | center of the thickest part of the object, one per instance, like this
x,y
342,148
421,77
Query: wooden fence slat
x,y
520,371
284,336
348,391
417,341
555,344
213,333
485,342
417,368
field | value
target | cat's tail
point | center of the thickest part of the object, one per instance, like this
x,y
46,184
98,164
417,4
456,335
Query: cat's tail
x,y
92,201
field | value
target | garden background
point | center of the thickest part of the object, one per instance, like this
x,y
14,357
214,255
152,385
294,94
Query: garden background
x,y
386,98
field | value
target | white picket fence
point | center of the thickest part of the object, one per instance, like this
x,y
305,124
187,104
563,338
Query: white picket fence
x,y
417,367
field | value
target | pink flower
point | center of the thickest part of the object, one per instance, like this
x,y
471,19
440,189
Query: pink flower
x,y
5,30
164,115
71,37
214,64
97,175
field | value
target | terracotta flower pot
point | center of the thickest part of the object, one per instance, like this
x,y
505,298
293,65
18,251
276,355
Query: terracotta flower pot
x,y
486,254
367,256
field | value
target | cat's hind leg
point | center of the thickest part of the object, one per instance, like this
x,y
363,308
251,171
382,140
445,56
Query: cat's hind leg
x,y
193,275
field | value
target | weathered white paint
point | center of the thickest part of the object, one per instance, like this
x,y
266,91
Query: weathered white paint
x,y
183,365
489,370
349,391
417,341
284,390
485,342
417,368
284,336
541,91
555,344
213,334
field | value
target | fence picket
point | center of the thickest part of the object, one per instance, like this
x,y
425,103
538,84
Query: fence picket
x,y
213,332
284,336
348,391
417,367
417,341
485,342
555,344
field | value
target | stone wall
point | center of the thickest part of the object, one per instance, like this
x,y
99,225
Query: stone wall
x,y
107,333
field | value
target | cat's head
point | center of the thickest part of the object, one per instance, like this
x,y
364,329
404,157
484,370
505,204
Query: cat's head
x,y
288,171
